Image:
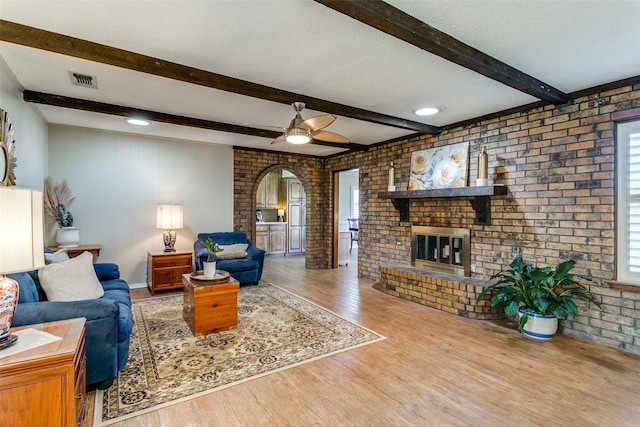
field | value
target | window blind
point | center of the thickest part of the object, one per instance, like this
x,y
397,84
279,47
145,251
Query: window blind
x,y
628,202
633,212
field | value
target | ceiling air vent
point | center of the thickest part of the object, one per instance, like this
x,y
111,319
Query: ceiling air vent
x,y
83,80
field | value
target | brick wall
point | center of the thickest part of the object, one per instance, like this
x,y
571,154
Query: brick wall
x,y
559,166
250,166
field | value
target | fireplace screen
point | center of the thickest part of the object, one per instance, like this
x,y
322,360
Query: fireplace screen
x,y
443,249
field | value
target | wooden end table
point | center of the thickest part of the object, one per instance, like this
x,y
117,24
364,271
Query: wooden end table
x,y
210,307
165,269
45,385
77,250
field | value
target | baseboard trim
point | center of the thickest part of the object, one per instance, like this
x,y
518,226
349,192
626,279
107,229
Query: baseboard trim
x,y
137,285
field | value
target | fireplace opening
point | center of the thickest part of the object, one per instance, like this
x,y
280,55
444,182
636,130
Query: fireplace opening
x,y
442,249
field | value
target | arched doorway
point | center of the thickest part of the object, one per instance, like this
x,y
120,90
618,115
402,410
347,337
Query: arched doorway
x,y
281,214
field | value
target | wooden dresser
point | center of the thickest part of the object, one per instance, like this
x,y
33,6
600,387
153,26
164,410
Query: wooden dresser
x,y
165,269
45,386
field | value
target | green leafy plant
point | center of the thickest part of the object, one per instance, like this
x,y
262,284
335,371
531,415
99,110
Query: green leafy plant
x,y
212,249
63,217
546,291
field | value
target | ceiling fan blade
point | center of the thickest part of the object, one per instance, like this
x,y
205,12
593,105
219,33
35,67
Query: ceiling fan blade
x,y
323,135
278,139
317,122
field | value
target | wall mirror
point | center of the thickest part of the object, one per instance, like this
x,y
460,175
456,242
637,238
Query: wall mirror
x,y
4,163
7,159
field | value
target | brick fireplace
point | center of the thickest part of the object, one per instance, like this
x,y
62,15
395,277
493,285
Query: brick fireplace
x,y
438,276
444,291
441,249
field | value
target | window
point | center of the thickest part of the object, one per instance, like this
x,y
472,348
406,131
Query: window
x,y
628,216
355,202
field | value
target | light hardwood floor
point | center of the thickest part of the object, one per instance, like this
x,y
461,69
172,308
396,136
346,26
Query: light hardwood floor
x,y
434,369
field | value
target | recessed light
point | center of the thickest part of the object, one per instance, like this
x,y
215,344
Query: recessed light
x,y
427,111
138,122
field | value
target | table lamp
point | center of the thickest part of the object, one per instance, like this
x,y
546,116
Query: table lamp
x,y
21,248
281,215
169,218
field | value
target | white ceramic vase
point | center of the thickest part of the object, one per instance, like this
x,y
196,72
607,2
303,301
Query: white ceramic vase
x,y
68,237
209,269
542,327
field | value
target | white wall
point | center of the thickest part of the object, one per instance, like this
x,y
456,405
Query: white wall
x,y
30,132
118,179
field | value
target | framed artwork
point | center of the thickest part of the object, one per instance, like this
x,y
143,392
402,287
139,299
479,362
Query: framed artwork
x,y
441,167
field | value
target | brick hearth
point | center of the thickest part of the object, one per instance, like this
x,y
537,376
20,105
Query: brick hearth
x,y
446,292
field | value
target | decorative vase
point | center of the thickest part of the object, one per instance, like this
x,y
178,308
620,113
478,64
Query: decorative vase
x,y
9,292
68,237
392,178
483,168
539,326
209,269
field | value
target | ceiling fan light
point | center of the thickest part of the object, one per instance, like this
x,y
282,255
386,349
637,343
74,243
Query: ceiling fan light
x,y
298,136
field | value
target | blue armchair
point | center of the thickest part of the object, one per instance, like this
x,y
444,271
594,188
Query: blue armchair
x,y
247,270
108,320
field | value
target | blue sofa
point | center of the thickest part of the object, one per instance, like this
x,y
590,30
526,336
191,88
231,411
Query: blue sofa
x,y
247,271
108,320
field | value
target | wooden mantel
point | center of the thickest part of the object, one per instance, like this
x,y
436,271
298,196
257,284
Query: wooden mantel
x,y
480,199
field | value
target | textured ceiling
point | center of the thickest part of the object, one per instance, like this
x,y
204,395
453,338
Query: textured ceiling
x,y
308,48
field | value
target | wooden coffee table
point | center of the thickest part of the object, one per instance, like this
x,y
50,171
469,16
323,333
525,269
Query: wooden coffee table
x,y
210,307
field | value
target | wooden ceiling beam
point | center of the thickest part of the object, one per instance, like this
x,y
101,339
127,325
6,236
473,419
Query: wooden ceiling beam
x,y
124,111
393,21
58,43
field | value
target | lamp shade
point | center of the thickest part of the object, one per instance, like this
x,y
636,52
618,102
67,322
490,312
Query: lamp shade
x,y
280,212
21,230
169,217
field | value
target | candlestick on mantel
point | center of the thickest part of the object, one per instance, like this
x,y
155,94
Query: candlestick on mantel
x,y
483,168
392,183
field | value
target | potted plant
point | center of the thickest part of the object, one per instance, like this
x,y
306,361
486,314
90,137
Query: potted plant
x,y
210,264
57,199
540,296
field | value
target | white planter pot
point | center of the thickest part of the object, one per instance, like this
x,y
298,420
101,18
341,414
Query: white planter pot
x,y
542,327
68,237
209,269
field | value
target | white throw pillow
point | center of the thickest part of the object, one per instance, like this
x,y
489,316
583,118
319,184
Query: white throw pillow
x,y
238,250
71,280
59,256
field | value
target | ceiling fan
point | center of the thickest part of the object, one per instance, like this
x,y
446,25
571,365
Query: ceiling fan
x,y
302,131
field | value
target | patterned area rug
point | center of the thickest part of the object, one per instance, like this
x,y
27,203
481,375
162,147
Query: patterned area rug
x,y
167,364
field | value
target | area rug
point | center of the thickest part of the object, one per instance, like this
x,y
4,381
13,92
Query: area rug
x,y
276,330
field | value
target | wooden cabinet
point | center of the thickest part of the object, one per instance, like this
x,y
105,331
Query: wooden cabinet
x,y
295,190
45,385
262,236
267,196
165,269
296,215
272,237
210,308
278,238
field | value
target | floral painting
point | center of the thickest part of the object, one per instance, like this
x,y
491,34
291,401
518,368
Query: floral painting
x,y
441,167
